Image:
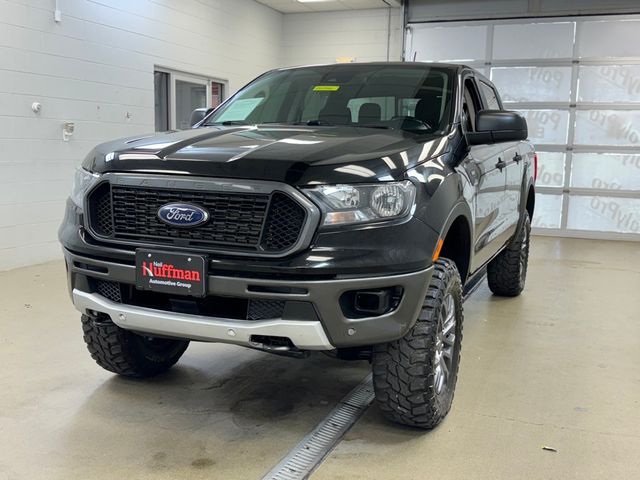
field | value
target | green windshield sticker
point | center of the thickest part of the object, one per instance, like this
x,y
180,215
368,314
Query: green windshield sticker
x,y
326,88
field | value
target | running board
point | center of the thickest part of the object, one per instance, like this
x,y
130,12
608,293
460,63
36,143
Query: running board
x,y
474,283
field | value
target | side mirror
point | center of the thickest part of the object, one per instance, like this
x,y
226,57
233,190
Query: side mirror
x,y
495,126
198,114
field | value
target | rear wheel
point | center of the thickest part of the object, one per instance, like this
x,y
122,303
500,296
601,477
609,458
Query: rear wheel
x,y
126,353
507,273
415,376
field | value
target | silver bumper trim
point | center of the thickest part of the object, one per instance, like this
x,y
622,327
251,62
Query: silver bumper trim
x,y
306,335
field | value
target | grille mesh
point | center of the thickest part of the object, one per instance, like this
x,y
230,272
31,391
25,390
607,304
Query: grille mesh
x,y
283,224
100,205
238,221
110,290
235,219
265,309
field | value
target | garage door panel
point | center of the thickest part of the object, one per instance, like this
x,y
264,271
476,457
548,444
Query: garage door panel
x,y
606,171
547,127
577,82
607,127
550,169
533,84
548,211
604,214
609,83
609,38
533,41
456,44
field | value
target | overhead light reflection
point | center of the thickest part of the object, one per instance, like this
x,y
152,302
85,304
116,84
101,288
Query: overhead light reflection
x,y
297,141
154,146
319,258
138,156
389,162
356,170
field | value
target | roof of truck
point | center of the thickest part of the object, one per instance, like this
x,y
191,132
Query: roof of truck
x,y
453,66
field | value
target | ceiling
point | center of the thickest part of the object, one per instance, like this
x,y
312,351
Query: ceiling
x,y
294,6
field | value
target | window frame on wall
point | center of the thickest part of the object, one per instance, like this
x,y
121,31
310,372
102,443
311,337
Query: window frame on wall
x,y
170,77
570,110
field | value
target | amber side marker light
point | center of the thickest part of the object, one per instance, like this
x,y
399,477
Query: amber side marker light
x,y
436,253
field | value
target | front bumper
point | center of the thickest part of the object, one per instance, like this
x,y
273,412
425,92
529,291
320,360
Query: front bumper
x,y
324,326
304,335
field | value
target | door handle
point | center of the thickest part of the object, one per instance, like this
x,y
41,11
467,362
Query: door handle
x,y
501,164
517,157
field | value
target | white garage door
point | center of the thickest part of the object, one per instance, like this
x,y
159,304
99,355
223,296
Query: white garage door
x,y
578,83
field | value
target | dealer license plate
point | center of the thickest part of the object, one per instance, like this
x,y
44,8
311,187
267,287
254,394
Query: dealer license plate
x,y
175,273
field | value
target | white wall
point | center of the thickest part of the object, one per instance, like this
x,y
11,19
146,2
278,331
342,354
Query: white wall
x,y
95,68
310,38
92,69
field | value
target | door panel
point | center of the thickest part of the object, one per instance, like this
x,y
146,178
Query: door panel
x,y
515,164
491,213
490,221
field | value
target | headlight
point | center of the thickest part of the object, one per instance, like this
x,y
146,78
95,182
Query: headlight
x,y
358,203
82,182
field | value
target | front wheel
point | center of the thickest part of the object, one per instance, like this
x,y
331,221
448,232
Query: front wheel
x,y
415,376
129,354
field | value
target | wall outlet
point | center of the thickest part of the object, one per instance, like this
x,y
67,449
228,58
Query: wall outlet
x,y
67,130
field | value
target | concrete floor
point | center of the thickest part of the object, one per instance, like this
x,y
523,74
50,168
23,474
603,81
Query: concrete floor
x,y
558,366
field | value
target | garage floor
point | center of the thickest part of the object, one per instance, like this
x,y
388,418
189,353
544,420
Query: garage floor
x,y
558,366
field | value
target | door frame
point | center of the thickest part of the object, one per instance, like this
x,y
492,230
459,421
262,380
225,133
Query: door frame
x,y
205,80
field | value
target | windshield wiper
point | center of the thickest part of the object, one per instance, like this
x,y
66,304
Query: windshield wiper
x,y
383,127
315,123
226,123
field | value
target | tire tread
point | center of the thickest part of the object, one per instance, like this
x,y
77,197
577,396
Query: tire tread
x,y
402,369
503,272
117,351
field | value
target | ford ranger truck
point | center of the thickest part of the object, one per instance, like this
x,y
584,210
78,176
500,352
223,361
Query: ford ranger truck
x,y
338,208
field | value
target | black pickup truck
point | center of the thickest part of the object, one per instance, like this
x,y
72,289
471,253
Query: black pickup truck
x,y
338,208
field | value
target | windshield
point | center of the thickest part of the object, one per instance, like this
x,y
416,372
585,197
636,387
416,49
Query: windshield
x,y
409,97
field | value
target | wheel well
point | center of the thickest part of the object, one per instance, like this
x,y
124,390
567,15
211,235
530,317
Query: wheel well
x,y
457,246
531,201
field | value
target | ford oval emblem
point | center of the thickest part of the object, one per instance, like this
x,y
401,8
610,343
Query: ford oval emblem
x,y
182,215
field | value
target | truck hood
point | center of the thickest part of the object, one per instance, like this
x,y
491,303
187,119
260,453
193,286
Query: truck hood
x,y
291,154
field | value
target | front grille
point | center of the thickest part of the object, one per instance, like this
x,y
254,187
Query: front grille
x,y
259,222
